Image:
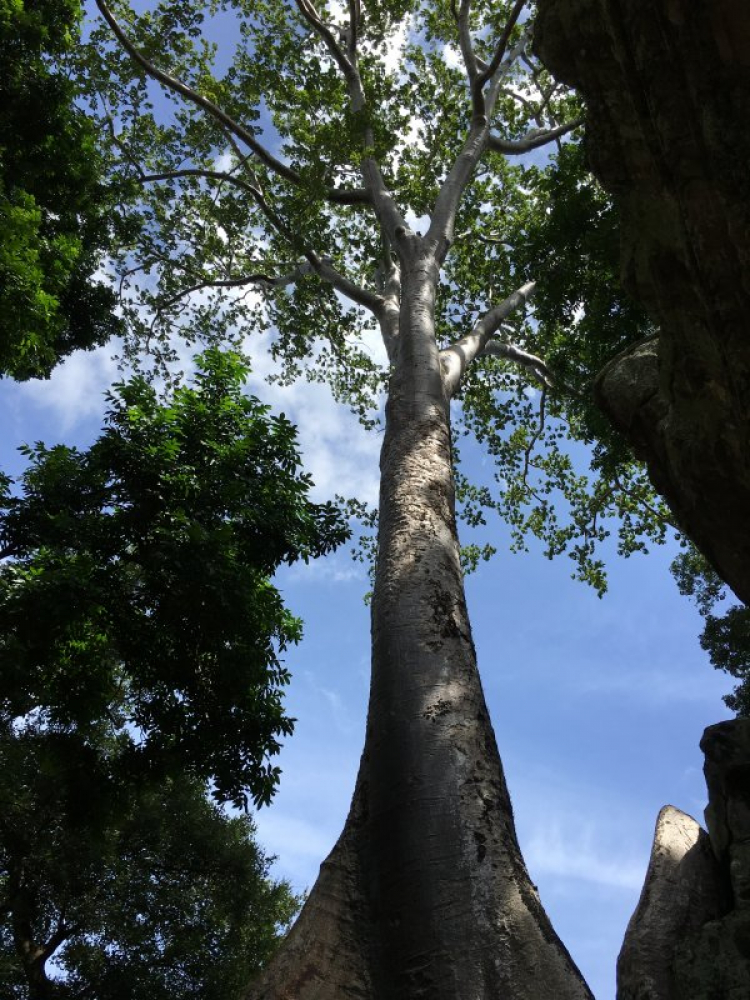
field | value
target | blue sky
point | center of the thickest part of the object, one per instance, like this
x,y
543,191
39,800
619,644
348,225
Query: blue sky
x,y
598,705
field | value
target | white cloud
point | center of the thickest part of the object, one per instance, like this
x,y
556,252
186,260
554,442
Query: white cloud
x,y
75,391
580,856
335,568
340,455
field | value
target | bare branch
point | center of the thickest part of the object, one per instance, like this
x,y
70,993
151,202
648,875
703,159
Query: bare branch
x,y
355,15
321,267
441,230
378,195
388,277
504,349
532,140
172,83
535,438
517,52
467,46
215,175
246,279
362,296
313,18
456,359
446,205
502,45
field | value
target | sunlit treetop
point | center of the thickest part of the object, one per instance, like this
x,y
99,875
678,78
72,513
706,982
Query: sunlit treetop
x,y
287,160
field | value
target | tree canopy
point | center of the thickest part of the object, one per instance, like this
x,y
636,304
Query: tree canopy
x,y
141,663
253,217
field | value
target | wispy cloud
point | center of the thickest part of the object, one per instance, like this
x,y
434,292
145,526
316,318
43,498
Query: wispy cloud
x,y
581,855
74,393
652,686
338,568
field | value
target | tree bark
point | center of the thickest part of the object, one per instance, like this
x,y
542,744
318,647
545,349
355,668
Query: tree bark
x,y
667,91
426,894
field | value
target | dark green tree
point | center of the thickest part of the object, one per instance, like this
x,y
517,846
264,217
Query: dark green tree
x,y
141,644
55,208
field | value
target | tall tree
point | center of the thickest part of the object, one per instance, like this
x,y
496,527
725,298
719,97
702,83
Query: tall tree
x,y
141,646
55,209
351,170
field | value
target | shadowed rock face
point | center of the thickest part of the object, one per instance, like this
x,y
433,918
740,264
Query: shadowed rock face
x,y
667,89
715,963
689,938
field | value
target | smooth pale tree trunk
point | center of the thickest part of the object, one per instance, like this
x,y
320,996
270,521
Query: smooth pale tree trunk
x,y
425,894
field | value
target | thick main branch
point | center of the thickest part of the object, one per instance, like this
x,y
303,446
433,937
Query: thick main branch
x,y
457,358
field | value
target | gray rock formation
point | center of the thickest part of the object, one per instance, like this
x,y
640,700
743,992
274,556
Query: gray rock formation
x,y
667,91
680,895
715,963
689,938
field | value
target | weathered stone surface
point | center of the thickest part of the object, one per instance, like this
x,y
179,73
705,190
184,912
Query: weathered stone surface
x,y
715,963
681,893
689,938
667,88
727,770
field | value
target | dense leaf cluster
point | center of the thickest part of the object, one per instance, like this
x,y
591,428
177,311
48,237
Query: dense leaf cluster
x,y
55,204
141,644
140,579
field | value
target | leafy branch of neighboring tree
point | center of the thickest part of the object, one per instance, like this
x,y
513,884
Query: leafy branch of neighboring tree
x,y
726,633
56,207
141,645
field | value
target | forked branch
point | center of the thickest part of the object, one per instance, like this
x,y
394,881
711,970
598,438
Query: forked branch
x,y
504,349
489,71
456,359
378,194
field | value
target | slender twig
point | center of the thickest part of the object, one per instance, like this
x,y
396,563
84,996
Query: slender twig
x,y
537,434
511,352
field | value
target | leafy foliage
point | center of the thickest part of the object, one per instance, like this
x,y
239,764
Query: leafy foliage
x,y
141,644
55,208
239,215
141,578
726,636
137,889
